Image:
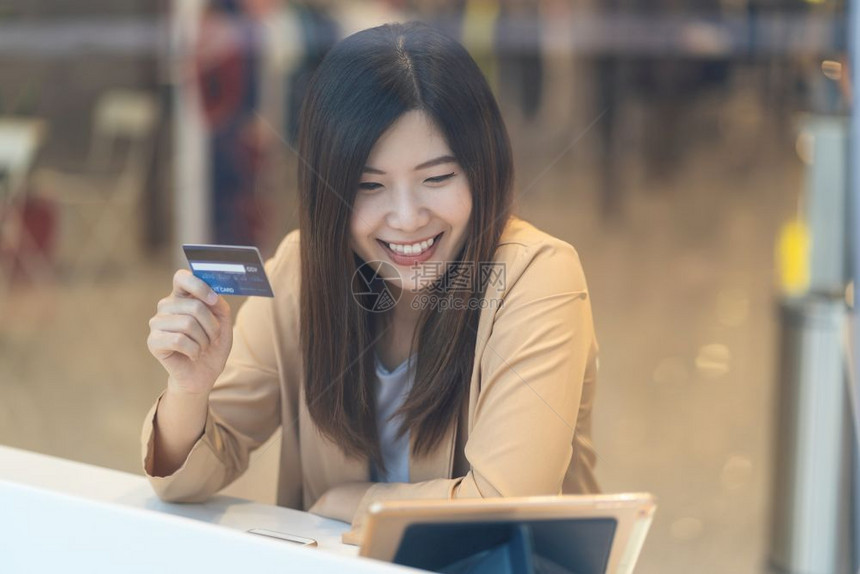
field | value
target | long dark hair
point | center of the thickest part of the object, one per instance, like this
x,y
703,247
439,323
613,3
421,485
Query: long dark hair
x,y
365,83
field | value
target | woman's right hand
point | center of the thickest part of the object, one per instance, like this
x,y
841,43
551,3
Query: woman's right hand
x,y
191,334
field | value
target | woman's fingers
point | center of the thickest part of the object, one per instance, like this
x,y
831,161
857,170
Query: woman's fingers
x,y
194,308
185,284
163,343
192,322
185,324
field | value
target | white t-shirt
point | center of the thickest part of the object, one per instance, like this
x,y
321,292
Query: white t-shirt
x,y
392,389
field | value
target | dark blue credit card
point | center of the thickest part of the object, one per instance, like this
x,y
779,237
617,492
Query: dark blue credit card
x,y
229,269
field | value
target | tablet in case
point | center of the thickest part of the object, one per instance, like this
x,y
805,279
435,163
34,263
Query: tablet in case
x,y
554,535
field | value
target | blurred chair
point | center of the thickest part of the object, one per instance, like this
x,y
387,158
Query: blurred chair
x,y
112,183
20,140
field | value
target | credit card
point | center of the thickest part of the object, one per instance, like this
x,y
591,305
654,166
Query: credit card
x,y
229,269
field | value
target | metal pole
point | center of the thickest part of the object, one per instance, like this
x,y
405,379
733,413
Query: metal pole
x,y
192,194
853,7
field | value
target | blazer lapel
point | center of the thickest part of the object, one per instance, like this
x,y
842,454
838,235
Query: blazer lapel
x,y
436,464
440,462
341,468
324,464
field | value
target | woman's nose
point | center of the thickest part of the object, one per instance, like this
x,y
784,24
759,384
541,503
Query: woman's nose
x,y
407,211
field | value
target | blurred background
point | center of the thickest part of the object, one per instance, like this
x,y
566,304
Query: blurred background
x,y
695,153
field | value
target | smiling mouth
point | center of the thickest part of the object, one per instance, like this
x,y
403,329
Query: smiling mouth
x,y
429,245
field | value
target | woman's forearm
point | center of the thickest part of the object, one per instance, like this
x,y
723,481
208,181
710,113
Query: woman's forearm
x,y
179,424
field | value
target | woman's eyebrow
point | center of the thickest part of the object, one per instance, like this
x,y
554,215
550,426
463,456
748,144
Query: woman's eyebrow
x,y
433,162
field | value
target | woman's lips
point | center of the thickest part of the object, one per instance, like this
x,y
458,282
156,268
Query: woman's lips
x,y
407,260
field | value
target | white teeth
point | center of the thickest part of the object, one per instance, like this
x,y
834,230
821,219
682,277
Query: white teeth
x,y
412,249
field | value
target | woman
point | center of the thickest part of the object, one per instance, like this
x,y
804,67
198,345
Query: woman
x,y
422,342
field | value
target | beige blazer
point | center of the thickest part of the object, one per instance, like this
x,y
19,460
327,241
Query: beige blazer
x,y
524,431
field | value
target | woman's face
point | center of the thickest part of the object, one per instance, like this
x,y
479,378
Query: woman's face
x,y
413,204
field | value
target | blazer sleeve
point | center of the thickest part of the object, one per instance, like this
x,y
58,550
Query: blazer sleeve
x,y
244,410
533,367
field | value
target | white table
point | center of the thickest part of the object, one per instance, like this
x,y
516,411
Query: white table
x,y
106,510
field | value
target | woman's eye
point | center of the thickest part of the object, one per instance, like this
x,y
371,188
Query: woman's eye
x,y
369,186
439,178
